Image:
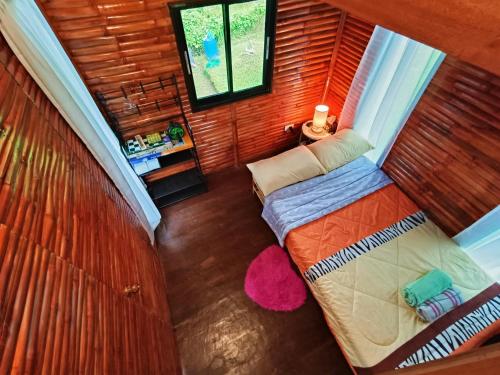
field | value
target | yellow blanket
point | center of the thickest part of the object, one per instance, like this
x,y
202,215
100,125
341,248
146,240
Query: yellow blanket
x,y
362,302
357,259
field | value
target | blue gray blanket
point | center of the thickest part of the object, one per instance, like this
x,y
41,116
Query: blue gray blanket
x,y
298,204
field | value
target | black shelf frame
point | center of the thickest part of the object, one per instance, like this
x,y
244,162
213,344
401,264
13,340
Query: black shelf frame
x,y
173,188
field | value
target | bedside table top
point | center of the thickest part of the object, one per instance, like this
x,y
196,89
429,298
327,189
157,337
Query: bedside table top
x,y
307,131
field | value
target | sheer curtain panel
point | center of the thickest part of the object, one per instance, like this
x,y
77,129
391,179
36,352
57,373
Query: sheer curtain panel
x,y
390,79
37,47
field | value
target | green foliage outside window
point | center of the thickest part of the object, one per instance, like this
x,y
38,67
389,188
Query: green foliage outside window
x,y
198,21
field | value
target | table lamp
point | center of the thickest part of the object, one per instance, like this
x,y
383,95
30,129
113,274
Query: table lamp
x,y
319,119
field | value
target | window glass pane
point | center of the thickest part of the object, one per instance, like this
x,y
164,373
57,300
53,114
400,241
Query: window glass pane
x,y
204,31
247,43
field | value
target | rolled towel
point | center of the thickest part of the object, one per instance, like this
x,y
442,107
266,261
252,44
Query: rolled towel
x,y
439,305
428,286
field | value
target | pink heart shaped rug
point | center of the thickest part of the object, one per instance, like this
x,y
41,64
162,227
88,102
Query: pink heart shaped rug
x,y
272,283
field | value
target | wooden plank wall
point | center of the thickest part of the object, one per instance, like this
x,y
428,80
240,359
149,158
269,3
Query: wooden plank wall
x,y
355,36
450,26
69,245
119,42
305,36
447,158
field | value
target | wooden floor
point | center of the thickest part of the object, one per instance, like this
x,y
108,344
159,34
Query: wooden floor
x,y
206,244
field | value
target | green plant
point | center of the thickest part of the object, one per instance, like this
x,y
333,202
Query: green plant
x,y
198,21
247,68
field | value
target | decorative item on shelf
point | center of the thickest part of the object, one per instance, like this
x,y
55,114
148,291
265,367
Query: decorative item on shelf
x,y
146,143
167,141
175,131
311,135
319,119
140,141
331,123
154,138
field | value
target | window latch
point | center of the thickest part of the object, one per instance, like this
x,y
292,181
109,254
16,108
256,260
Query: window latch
x,y
267,48
188,64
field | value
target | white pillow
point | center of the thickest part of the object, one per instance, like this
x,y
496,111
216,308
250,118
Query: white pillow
x,y
287,168
339,149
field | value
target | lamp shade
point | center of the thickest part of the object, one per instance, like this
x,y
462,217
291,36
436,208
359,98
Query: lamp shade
x,y
319,119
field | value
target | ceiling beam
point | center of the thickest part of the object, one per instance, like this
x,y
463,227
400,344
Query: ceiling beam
x,y
468,30
335,53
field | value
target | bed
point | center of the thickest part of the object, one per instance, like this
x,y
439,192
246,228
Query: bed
x,y
357,239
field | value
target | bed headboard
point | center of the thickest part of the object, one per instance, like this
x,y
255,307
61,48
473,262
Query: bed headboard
x,y
447,158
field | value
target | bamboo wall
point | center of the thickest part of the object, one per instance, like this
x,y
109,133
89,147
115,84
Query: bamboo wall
x,y
447,158
69,245
117,42
466,30
355,36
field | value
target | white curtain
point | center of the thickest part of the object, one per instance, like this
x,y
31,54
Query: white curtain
x,y
391,78
32,40
482,242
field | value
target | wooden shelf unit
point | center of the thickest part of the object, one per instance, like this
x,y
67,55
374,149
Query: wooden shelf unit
x,y
147,108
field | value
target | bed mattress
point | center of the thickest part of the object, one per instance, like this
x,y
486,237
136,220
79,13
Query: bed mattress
x,y
356,259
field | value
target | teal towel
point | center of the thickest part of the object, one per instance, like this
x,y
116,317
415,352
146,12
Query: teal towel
x,y
428,286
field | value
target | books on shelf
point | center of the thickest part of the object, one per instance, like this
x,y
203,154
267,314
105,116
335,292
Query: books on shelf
x,y
146,163
134,150
143,152
144,167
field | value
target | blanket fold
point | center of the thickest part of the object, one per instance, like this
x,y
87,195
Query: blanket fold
x,y
428,286
293,206
439,305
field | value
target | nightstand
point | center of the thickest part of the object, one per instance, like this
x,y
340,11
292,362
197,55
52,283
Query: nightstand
x,y
311,135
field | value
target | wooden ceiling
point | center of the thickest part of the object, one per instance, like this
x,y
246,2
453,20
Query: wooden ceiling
x,y
115,42
351,47
467,30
